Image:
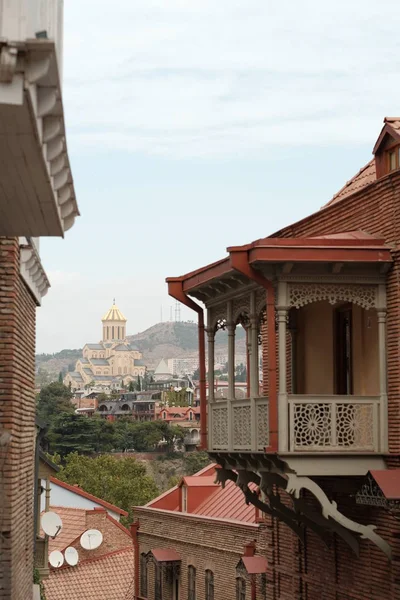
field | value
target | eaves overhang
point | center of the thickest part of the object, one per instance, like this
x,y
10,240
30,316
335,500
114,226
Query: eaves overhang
x,y
37,191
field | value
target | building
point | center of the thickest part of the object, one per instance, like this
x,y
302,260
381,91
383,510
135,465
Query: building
x,y
106,573
322,441
183,366
110,363
72,496
199,540
187,417
37,199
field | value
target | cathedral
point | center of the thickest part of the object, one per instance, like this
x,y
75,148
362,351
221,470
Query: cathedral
x,y
111,362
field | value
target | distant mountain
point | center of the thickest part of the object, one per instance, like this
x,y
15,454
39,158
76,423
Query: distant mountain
x,y
163,340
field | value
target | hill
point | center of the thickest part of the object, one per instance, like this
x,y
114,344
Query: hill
x,y
163,340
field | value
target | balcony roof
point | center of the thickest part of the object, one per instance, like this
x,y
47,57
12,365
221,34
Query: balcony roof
x,y
347,249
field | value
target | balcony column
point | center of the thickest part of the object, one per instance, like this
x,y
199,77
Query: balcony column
x,y
210,376
230,325
282,313
383,416
253,345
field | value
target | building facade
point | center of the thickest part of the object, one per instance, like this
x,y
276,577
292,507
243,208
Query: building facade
x,y
319,300
199,541
37,199
111,362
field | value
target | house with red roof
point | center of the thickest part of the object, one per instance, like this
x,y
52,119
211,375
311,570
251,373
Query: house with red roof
x,y
105,573
199,540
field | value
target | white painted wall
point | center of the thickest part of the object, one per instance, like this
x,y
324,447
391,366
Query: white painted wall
x,y
22,19
59,496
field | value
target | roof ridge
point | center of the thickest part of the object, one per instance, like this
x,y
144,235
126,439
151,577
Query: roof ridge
x,y
81,492
350,181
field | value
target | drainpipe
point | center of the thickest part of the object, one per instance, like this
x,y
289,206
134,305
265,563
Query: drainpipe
x,y
134,531
175,289
240,262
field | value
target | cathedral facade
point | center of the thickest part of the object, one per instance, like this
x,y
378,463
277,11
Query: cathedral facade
x,y
112,361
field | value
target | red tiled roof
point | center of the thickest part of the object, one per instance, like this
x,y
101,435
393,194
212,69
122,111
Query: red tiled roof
x,y
108,577
228,503
389,482
73,524
165,555
77,490
255,564
364,177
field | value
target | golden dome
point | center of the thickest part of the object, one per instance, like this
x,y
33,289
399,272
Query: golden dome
x,y
113,314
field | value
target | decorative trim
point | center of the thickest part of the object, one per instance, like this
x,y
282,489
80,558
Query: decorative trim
x,y
32,272
300,294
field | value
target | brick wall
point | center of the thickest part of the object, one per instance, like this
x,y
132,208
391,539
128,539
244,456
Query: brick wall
x,y
17,415
203,543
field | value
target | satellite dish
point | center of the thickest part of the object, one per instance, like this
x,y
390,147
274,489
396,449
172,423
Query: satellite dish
x,y
51,524
91,539
56,559
71,556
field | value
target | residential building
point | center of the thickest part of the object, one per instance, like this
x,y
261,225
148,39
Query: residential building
x,y
72,496
111,362
199,540
106,573
37,199
187,417
319,300
183,366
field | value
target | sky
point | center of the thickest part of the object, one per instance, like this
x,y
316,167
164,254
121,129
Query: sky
x,y
193,125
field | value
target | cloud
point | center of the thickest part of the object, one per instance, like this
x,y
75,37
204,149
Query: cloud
x,y
189,78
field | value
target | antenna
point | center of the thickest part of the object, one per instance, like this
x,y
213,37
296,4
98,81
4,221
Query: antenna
x,y
56,559
91,539
51,524
71,556
177,311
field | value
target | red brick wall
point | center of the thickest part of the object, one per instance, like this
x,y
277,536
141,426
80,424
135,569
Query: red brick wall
x,y
202,543
17,415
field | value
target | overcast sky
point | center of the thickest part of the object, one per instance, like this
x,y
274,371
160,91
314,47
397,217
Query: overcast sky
x,y
193,125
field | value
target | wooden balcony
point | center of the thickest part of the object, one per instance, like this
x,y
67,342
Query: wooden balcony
x,y
239,425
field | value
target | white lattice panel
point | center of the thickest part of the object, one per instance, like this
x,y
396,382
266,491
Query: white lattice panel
x,y
219,426
262,414
242,437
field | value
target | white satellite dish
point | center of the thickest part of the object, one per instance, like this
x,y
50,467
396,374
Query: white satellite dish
x,y
51,524
91,539
71,556
56,559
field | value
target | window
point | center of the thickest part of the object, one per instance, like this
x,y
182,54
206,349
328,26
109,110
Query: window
x,y
184,498
393,158
190,416
143,575
191,583
240,589
209,585
119,371
157,582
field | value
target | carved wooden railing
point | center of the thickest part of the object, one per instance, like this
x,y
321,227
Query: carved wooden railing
x,y
333,423
239,425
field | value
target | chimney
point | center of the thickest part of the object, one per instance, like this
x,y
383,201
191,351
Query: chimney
x,y
249,549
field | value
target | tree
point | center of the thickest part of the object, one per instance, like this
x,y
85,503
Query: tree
x,y
102,397
52,400
60,377
131,387
139,384
195,461
241,373
71,432
196,374
89,385
121,481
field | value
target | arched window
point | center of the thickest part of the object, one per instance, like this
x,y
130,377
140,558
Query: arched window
x,y
157,582
209,585
143,575
94,355
190,416
240,589
191,583
112,331
119,371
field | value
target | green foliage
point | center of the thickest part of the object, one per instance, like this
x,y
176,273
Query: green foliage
x,y
71,432
241,373
177,398
52,400
131,387
121,481
195,461
60,377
